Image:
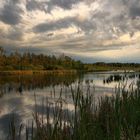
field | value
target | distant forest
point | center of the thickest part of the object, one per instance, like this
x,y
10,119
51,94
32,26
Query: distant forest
x,y
101,66
31,61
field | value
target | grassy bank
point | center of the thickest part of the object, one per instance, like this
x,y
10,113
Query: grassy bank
x,y
112,67
31,72
112,118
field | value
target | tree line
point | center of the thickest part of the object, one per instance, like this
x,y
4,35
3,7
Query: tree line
x,y
32,61
118,64
102,66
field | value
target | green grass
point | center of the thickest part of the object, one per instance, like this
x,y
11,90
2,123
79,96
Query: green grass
x,y
109,67
111,118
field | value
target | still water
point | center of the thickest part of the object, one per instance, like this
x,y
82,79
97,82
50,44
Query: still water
x,y
17,93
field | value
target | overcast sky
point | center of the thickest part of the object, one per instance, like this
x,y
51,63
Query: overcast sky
x,y
89,30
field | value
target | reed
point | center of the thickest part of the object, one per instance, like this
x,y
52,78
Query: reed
x,y
111,118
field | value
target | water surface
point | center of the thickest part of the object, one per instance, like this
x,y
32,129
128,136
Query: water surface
x,y
17,92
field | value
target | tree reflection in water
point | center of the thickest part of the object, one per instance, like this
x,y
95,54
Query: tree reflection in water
x,y
37,81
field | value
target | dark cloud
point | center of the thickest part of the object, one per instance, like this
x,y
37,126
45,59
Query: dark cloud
x,y
32,5
47,6
44,27
135,11
65,4
50,34
11,14
86,26
133,7
16,1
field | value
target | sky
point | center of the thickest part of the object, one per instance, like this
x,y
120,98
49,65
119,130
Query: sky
x,y
89,30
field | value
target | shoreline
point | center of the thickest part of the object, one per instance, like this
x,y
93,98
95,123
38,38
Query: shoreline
x,y
32,72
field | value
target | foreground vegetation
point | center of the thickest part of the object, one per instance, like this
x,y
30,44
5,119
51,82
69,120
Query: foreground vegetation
x,y
110,118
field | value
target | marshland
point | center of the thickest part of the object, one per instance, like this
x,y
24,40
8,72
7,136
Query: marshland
x,y
58,98
71,106
69,69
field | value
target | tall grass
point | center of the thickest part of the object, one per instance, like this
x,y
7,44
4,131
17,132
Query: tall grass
x,y
111,118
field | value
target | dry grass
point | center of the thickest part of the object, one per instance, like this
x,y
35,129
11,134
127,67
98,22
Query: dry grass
x,y
31,72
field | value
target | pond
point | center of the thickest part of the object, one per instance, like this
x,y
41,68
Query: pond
x,y
18,93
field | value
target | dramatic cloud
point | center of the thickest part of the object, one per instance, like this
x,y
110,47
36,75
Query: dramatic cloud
x,y
98,29
32,5
66,4
64,23
11,14
49,4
